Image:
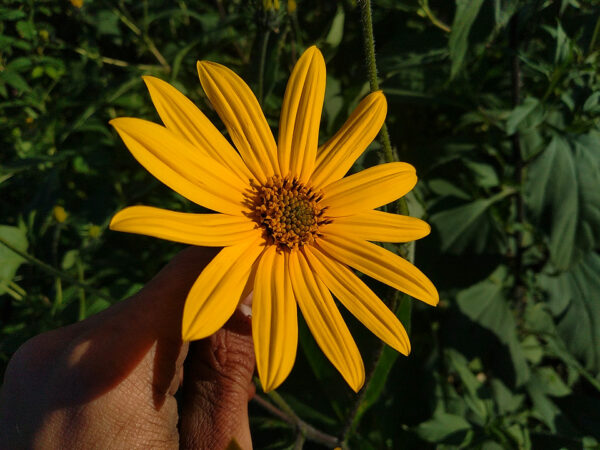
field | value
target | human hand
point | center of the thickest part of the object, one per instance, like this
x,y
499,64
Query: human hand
x,y
109,381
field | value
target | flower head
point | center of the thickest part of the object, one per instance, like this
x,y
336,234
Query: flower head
x,y
291,225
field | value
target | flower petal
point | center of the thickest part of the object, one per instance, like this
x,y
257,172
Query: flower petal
x,y
240,112
179,165
380,226
359,300
213,230
301,115
337,155
274,319
368,189
217,291
380,264
325,321
184,119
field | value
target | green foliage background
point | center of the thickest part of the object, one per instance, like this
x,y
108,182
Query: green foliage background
x,y
495,102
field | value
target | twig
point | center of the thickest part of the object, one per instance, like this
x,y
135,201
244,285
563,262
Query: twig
x,y
434,20
51,270
307,431
261,67
518,160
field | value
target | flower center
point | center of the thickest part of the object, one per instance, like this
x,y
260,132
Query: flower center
x,y
288,211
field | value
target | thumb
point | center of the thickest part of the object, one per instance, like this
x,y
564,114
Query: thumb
x,y
217,385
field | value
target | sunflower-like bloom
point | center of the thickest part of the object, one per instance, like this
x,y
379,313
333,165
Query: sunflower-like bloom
x,y
290,224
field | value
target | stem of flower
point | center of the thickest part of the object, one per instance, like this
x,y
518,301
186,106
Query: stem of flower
x,y
369,43
261,67
287,414
51,270
353,418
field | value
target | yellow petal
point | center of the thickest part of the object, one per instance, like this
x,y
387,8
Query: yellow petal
x,y
380,264
217,291
359,299
213,230
184,119
240,112
379,226
325,321
179,165
274,319
368,189
337,155
301,115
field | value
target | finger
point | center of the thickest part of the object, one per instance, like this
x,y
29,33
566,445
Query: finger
x,y
217,385
138,339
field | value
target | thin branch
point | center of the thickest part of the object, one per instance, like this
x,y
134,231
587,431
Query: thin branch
x,y
304,429
517,157
51,270
434,20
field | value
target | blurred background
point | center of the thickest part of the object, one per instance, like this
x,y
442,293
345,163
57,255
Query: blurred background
x,y
496,103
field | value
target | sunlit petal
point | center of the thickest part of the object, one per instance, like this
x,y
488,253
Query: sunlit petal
x,y
217,291
240,112
325,321
368,189
359,300
183,118
379,226
274,319
178,164
380,264
301,115
213,230
337,155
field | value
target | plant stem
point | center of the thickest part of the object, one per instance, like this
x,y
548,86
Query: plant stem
x,y
519,289
287,414
369,43
261,67
353,418
51,270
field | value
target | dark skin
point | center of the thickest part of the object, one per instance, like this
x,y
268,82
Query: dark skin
x,y
109,381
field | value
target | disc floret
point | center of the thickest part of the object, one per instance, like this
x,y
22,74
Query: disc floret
x,y
288,210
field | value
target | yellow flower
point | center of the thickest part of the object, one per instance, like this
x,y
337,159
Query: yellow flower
x,y
60,214
290,224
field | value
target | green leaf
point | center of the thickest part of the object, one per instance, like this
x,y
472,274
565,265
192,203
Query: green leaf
x,y
530,108
26,30
550,382
467,224
444,427
9,260
464,17
336,32
15,80
552,193
485,304
574,295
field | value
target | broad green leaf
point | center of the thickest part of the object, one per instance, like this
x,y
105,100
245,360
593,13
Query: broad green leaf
x,y
9,260
464,17
336,32
465,225
574,295
550,382
442,427
552,192
528,109
486,304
